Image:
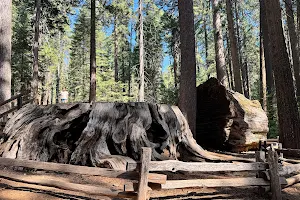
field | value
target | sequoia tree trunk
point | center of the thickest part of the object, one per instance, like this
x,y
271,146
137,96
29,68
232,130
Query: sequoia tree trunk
x,y
92,97
293,42
141,52
219,46
234,49
35,76
187,90
288,115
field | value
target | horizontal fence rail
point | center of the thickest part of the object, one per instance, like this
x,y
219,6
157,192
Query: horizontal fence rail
x,y
20,103
173,166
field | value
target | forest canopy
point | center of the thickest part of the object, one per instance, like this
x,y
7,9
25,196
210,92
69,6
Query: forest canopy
x,y
154,51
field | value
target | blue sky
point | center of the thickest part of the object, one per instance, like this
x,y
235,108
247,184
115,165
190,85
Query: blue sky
x,y
166,60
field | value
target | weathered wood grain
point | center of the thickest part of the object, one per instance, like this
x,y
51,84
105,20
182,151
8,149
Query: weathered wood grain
x,y
274,175
292,180
65,185
173,166
144,170
155,178
229,182
288,169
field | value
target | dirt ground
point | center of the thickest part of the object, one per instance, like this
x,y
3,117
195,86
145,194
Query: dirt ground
x,y
15,190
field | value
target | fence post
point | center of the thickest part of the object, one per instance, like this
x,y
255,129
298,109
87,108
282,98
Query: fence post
x,y
143,179
280,147
274,176
19,102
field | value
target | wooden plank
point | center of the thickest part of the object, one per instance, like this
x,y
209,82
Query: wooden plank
x,y
293,180
229,182
260,156
65,185
144,170
274,175
152,177
290,152
11,99
173,166
288,169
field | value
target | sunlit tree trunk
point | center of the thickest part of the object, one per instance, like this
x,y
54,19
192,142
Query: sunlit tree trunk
x,y
263,76
93,54
234,49
141,46
35,77
116,51
219,45
187,91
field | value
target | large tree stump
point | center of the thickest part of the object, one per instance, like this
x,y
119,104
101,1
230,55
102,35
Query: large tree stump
x,y
227,120
89,135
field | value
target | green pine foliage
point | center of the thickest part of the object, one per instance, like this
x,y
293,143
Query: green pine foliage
x,y
64,51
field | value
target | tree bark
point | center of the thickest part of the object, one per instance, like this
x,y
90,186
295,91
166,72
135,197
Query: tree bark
x,y
226,120
289,130
187,91
206,36
116,51
219,46
298,22
234,50
293,42
86,135
46,90
92,97
58,84
175,52
245,71
263,78
5,51
141,49
230,75
35,77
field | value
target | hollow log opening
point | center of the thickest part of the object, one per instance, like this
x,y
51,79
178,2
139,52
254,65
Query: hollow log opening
x,y
226,120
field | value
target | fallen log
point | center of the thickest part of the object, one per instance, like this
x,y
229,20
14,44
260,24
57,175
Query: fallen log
x,y
226,120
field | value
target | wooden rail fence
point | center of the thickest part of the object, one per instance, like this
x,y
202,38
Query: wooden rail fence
x,y
142,176
20,103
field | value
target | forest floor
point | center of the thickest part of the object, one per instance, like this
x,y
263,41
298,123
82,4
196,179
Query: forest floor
x,y
13,190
